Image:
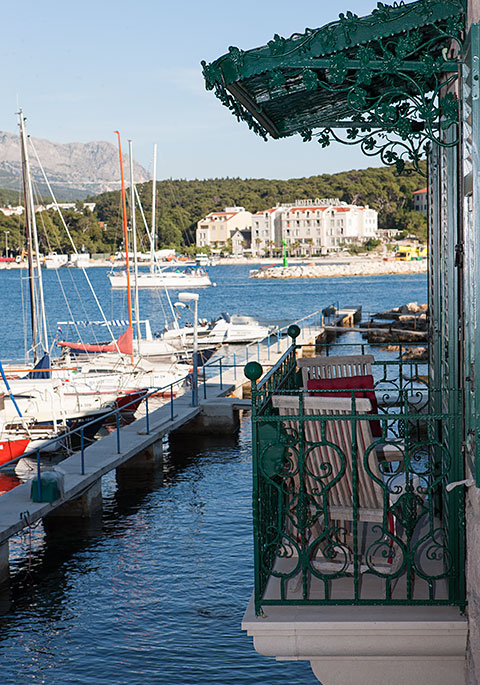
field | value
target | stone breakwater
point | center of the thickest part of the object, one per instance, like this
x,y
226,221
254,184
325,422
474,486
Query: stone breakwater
x,y
367,267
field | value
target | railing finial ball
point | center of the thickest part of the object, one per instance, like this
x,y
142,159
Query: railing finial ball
x,y
293,331
253,371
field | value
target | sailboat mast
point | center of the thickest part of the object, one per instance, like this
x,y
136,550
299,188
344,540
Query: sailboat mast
x,y
154,207
134,233
28,226
125,236
33,244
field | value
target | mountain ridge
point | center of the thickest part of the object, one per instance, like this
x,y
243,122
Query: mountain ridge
x,y
74,170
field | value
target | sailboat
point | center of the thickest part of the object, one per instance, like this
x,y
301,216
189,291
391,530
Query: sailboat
x,y
131,356
155,349
42,403
165,277
159,277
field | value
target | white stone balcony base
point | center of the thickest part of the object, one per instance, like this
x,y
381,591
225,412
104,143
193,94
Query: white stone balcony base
x,y
365,645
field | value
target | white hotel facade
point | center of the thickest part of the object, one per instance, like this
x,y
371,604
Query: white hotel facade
x,y
312,226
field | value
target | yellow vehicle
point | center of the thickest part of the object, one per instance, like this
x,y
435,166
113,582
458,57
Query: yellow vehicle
x,y
409,253
422,252
406,253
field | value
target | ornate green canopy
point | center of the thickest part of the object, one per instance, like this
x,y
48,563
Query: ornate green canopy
x,y
384,78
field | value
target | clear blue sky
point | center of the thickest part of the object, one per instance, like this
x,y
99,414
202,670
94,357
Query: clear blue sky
x,y
81,70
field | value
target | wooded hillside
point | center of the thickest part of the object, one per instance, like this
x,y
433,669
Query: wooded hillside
x,y
181,203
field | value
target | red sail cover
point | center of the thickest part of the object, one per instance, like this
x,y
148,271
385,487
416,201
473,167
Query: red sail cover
x,y
124,345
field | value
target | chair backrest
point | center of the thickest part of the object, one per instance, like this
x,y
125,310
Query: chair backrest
x,y
328,469
334,367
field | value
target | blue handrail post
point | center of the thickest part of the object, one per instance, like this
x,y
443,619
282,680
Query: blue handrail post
x,y
268,347
147,416
82,450
221,381
204,378
39,479
118,432
246,354
279,337
171,402
234,366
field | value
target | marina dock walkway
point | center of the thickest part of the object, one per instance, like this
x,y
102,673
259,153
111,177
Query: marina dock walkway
x,y
135,446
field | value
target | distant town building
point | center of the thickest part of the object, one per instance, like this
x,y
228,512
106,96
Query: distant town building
x,y
420,200
307,226
323,225
61,205
18,211
267,230
241,241
313,226
216,230
388,233
12,211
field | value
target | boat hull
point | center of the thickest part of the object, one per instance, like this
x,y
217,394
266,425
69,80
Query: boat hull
x,y
12,449
165,280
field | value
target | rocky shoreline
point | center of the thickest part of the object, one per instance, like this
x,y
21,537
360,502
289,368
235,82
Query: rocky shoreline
x,y
364,267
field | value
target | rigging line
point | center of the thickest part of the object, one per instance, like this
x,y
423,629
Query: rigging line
x,y
24,316
22,294
49,245
81,303
73,245
182,218
155,259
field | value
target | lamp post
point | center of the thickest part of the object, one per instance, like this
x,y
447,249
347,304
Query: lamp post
x,y
193,297
6,243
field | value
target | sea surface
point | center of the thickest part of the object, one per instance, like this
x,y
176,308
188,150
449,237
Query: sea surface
x,y
154,591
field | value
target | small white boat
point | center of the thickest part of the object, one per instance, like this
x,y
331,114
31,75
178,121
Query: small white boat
x,y
191,277
224,330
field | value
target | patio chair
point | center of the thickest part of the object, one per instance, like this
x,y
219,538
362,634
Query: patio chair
x,y
342,374
335,367
319,489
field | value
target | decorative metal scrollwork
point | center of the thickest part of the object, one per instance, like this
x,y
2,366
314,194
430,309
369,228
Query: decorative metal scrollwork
x,y
393,87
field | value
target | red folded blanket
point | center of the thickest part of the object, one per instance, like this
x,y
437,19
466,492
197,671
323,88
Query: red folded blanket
x,y
362,385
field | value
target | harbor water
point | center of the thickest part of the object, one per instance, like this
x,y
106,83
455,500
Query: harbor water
x,y
154,590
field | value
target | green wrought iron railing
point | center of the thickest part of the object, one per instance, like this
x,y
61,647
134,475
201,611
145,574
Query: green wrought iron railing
x,y
350,506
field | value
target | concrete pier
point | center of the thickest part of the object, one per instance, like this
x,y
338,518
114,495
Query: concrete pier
x,y
83,506
217,416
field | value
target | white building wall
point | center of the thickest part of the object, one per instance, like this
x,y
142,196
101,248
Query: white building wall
x,y
218,227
